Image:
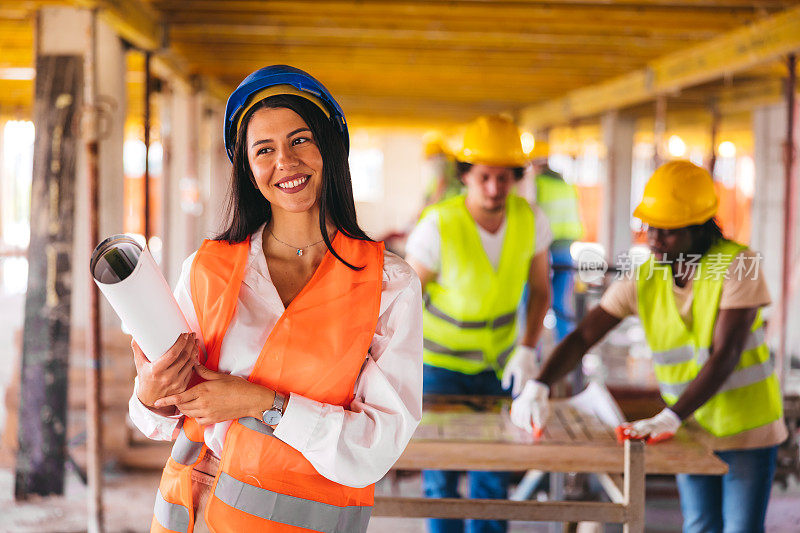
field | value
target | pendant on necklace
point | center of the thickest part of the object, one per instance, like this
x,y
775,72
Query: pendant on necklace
x,y
299,251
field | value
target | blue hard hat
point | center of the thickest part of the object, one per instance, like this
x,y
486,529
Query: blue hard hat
x,y
274,80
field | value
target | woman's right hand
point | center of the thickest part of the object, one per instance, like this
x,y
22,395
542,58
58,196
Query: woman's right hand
x,y
168,375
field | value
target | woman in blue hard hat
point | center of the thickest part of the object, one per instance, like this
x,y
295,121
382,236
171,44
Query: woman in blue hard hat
x,y
307,336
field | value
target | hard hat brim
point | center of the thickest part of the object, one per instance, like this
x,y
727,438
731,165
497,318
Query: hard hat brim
x,y
641,212
477,159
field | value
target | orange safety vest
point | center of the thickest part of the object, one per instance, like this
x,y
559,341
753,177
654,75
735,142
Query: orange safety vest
x,y
316,349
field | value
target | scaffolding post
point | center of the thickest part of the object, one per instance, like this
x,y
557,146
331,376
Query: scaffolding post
x,y
789,207
94,436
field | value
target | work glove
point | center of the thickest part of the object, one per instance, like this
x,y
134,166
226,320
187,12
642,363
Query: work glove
x,y
521,368
529,410
660,427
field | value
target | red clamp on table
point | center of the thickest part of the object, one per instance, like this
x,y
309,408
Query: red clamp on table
x,y
622,436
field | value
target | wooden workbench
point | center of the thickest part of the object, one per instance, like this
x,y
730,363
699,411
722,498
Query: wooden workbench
x,y
477,434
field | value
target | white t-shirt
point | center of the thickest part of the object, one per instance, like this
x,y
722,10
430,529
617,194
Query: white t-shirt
x,y
425,243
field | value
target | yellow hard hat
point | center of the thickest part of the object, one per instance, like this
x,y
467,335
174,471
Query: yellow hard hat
x,y
541,150
493,140
434,144
678,194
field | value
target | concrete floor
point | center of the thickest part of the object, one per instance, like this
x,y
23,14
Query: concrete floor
x,y
128,500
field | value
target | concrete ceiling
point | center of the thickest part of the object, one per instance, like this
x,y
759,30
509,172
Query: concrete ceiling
x,y
424,61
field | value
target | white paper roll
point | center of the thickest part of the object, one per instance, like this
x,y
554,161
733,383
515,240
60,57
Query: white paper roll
x,y
145,304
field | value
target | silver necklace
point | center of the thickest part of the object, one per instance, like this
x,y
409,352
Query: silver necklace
x,y
299,251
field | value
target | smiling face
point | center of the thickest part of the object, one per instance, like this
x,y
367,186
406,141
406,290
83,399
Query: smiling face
x,y
488,186
285,159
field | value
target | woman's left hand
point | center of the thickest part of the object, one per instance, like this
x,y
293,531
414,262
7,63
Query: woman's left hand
x,y
221,397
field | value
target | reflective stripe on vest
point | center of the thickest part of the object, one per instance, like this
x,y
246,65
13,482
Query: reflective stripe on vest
x,y
171,515
469,317
740,378
499,322
186,451
256,425
502,357
291,510
471,355
756,338
683,354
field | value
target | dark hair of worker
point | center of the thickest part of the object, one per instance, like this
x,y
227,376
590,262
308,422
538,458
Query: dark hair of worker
x,y
246,207
462,168
704,235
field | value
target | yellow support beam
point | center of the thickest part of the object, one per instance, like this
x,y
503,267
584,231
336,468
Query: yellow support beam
x,y
134,20
732,52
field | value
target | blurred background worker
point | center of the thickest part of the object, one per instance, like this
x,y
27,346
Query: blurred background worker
x,y
559,201
474,253
699,297
439,167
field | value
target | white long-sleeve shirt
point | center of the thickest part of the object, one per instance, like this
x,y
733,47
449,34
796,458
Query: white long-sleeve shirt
x,y
354,447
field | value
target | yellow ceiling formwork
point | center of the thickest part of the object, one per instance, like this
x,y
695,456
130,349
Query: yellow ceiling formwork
x,y
428,63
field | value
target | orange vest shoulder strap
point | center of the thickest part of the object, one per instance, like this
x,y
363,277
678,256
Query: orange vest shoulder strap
x,y
216,277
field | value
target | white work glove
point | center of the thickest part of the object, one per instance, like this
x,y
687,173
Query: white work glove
x,y
661,427
521,368
529,410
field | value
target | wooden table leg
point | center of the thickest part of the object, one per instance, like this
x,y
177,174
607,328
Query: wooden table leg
x,y
634,486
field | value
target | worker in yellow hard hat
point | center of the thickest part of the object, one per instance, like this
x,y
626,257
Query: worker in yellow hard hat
x,y
559,201
474,253
439,167
699,297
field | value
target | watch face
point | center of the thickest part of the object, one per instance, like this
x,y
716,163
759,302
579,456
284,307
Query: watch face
x,y
271,417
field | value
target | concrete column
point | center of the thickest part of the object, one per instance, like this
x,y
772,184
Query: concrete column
x,y
767,233
403,187
177,245
65,31
615,227
216,169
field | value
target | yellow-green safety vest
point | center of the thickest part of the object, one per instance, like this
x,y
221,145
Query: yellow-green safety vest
x,y
750,397
559,201
469,320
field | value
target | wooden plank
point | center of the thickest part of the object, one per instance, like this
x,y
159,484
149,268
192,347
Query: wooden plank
x,y
498,509
465,433
680,456
612,484
634,486
46,334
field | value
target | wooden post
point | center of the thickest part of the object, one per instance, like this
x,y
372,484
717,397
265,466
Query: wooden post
x,y
148,81
94,428
715,119
659,129
45,345
789,208
634,487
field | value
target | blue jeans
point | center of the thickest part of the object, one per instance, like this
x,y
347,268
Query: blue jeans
x,y
733,503
444,484
563,283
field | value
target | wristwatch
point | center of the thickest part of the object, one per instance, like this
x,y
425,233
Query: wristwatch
x,y
273,415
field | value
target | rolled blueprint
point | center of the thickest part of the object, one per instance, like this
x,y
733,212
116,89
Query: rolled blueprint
x,y
134,286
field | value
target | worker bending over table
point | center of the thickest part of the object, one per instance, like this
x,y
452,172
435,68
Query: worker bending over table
x,y
699,297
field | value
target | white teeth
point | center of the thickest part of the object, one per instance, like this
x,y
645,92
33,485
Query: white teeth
x,y
293,183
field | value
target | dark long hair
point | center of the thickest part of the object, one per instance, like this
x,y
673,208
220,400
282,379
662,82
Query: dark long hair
x,y
246,207
705,235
